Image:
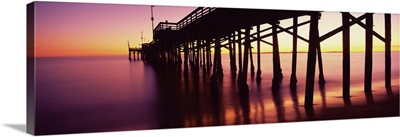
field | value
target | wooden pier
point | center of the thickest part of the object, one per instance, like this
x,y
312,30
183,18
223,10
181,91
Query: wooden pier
x,y
136,52
208,28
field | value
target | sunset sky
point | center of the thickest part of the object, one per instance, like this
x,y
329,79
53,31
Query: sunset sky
x,y
76,29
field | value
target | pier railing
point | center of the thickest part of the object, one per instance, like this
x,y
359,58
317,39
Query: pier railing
x,y
190,18
194,15
165,26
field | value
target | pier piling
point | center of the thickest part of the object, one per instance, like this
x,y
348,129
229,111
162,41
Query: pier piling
x,y
346,55
293,78
258,77
246,57
240,56
388,37
277,76
368,52
311,60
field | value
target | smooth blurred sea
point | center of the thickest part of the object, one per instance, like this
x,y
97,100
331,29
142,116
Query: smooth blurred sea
x,y
92,94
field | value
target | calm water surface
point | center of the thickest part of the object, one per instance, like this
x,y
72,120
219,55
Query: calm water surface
x,y
90,94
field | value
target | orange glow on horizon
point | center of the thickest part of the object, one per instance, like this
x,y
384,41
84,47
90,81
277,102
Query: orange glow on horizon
x,y
74,29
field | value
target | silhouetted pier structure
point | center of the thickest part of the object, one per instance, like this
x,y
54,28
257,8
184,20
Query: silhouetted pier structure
x,y
208,28
136,52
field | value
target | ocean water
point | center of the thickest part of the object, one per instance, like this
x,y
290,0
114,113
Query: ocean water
x,y
92,94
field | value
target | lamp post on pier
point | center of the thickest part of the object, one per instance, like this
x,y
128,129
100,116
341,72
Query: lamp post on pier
x,y
152,20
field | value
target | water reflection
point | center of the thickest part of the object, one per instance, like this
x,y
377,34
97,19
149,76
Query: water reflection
x,y
245,105
190,100
277,99
323,95
216,107
295,100
370,98
143,96
347,102
234,98
310,113
261,108
169,101
389,91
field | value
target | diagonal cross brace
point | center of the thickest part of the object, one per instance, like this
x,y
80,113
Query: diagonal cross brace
x,y
339,29
364,26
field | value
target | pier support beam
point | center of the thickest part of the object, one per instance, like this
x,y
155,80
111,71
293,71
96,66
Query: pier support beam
x,y
198,43
231,59
258,77
388,38
217,63
134,55
141,55
208,52
275,58
138,55
130,53
346,55
220,70
179,56
192,54
196,57
240,56
368,52
247,47
204,59
311,59
293,78
321,80
234,52
251,59
186,58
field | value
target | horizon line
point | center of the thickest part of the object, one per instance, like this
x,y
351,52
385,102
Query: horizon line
x,y
114,55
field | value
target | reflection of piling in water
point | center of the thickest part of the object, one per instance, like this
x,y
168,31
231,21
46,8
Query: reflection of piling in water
x,y
216,106
169,99
310,113
323,95
280,110
347,102
295,100
197,107
369,97
234,98
207,30
245,105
